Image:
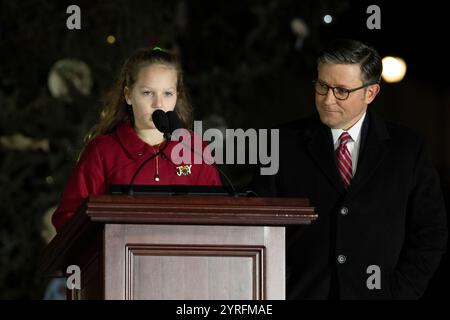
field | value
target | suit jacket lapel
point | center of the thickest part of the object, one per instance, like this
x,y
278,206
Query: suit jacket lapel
x,y
320,146
373,150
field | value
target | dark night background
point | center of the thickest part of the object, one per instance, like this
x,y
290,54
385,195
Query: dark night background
x,y
242,68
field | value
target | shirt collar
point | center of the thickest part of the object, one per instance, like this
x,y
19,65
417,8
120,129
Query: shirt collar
x,y
354,131
133,145
130,141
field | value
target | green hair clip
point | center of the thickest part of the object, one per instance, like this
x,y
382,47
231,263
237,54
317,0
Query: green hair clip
x,y
157,49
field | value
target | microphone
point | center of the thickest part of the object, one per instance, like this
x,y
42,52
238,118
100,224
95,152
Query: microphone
x,y
161,122
174,121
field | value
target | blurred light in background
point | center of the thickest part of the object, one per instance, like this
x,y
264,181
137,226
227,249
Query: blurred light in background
x,y
49,180
394,69
301,30
20,142
111,39
67,75
327,19
48,231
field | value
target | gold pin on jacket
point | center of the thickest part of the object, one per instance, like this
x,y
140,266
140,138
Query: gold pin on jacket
x,y
184,170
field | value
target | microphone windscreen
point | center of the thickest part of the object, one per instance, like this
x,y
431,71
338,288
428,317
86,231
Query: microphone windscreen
x,y
161,121
174,121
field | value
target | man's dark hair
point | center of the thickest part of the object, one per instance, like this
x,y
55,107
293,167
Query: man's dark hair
x,y
346,51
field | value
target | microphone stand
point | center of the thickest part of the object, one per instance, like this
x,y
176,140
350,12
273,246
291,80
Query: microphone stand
x,y
167,136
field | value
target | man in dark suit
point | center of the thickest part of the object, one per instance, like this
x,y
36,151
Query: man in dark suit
x,y
381,227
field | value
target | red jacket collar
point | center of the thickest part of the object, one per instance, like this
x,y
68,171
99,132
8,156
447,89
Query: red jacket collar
x,y
130,141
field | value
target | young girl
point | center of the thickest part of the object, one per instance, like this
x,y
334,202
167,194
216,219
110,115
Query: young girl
x,y
125,136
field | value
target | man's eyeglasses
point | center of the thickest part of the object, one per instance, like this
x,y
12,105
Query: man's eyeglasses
x,y
339,93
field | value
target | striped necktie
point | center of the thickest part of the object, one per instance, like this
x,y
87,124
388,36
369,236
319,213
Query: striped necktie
x,y
344,159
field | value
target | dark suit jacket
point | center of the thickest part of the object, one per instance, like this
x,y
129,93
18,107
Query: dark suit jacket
x,y
393,215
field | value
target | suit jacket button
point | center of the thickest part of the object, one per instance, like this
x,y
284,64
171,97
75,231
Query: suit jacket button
x,y
140,154
344,211
341,259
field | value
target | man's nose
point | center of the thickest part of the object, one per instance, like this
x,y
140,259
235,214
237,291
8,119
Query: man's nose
x,y
329,97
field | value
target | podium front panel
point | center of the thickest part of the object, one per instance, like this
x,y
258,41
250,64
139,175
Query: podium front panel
x,y
194,262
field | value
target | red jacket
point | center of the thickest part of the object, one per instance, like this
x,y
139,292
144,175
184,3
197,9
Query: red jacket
x,y
113,159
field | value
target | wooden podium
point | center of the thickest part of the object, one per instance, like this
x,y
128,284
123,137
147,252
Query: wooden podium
x,y
178,247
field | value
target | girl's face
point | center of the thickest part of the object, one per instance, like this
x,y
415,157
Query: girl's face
x,y
155,88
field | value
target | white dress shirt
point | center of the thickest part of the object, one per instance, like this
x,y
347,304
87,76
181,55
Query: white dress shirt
x,y
354,143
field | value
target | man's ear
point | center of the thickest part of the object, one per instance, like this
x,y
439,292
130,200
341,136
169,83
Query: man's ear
x,y
126,93
372,92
